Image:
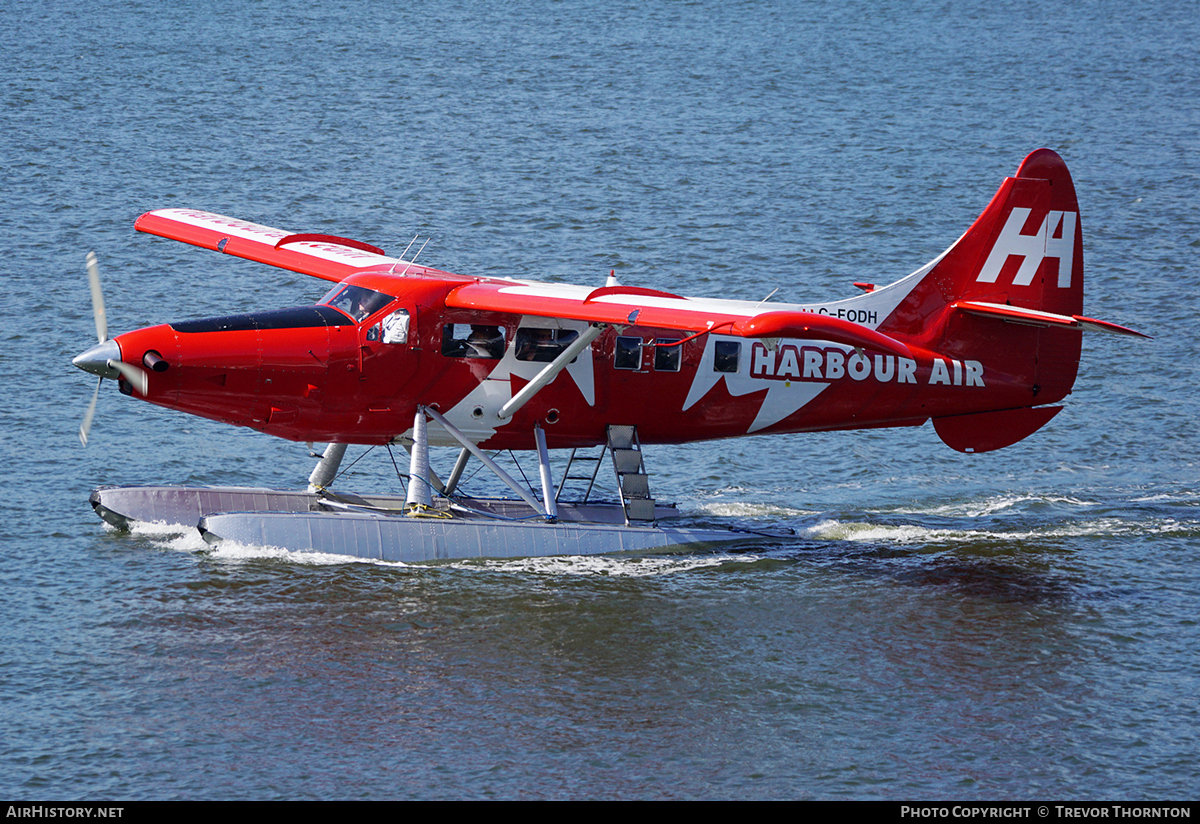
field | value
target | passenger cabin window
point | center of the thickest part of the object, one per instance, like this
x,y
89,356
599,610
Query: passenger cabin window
x,y
667,355
542,345
725,355
628,353
473,340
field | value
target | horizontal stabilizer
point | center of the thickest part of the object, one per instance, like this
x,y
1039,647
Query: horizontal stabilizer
x,y
1035,317
1094,325
985,431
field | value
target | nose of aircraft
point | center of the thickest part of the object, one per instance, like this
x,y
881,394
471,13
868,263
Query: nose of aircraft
x,y
96,360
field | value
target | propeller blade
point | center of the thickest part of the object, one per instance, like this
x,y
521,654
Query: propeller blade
x,y
137,377
86,426
101,316
100,360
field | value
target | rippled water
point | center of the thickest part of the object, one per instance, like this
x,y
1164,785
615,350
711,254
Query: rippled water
x,y
1012,625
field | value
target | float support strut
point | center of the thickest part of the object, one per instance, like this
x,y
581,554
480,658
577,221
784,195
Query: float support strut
x,y
418,466
326,470
548,496
455,433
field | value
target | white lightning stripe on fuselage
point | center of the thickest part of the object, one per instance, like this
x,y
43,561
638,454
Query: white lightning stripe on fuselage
x,y
491,394
786,398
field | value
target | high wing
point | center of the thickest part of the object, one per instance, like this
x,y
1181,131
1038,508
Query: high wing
x,y
629,306
324,256
335,258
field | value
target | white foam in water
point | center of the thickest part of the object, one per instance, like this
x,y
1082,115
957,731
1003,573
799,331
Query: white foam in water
x,y
624,567
834,530
999,503
227,550
747,509
173,538
170,536
182,539
1182,497
958,509
152,529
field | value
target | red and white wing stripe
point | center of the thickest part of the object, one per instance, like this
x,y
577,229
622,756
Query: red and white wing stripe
x,y
323,256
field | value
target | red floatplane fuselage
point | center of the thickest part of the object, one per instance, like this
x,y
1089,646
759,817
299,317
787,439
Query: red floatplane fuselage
x,y
984,340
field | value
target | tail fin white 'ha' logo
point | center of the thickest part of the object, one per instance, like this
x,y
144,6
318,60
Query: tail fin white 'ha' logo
x,y
1033,248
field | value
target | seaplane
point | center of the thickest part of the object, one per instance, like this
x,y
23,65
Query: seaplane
x,y
984,341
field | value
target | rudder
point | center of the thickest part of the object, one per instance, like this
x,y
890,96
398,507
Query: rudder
x,y
1006,294
1024,250
1033,254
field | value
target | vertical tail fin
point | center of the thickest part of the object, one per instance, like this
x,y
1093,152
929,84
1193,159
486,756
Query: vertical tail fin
x,y
1008,294
1025,250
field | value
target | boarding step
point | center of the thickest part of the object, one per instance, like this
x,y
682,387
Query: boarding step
x,y
632,480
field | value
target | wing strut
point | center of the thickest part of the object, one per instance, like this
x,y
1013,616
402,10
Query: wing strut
x,y
551,371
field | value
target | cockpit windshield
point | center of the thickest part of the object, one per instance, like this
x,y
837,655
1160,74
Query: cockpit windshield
x,y
357,301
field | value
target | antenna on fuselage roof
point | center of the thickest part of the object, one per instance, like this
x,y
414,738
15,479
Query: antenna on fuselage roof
x,y
768,297
405,252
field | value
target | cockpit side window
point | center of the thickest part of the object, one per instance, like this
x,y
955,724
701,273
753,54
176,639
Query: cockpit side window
x,y
391,328
357,301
